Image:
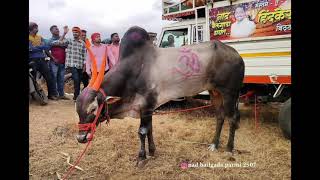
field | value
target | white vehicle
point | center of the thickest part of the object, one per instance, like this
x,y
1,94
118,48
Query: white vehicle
x,y
260,30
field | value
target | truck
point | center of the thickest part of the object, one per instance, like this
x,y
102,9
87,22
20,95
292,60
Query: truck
x,y
260,30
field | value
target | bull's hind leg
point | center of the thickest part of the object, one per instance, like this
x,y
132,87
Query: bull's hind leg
x,y
233,114
217,101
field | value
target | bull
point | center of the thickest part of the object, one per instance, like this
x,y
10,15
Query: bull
x,y
147,77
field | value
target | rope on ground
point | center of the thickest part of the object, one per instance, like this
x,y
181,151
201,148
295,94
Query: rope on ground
x,y
67,156
182,110
77,162
189,142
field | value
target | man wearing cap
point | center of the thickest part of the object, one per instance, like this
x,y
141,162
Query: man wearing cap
x,y
37,47
99,50
75,56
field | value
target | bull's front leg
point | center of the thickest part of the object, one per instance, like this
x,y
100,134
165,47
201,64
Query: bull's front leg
x,y
144,130
152,146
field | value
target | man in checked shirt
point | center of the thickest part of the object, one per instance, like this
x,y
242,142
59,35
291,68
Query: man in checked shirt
x,y
75,56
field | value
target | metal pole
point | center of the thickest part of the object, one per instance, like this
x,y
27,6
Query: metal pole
x,y
196,14
206,31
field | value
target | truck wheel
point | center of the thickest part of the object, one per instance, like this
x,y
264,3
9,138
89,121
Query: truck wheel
x,y
285,119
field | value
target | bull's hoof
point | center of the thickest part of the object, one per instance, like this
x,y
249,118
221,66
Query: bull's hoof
x,y
141,163
229,156
212,147
237,152
151,153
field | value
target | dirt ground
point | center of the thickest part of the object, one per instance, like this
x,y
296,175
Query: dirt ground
x,y
261,153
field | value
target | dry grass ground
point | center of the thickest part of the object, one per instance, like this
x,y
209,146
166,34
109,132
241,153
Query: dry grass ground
x,y
112,154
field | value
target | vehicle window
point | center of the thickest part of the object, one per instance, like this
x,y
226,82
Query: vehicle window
x,y
174,38
200,34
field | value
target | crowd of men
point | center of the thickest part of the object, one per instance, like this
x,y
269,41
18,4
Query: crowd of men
x,y
71,54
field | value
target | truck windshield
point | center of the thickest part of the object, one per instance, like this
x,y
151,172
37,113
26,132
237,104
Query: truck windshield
x,y
174,38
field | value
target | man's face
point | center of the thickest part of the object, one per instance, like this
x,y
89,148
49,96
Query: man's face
x,y
97,39
55,31
239,14
115,38
34,30
83,35
170,39
76,34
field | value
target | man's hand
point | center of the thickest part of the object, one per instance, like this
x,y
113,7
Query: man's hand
x,y
65,29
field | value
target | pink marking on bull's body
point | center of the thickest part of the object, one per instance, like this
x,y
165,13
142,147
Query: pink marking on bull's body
x,y
135,36
188,63
84,95
184,49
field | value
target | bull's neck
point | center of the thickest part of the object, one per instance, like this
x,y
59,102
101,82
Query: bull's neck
x,y
117,81
113,83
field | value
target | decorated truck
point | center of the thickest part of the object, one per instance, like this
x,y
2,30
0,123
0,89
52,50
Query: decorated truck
x,y
260,30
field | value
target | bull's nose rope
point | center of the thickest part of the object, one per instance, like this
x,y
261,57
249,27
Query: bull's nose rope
x,y
91,126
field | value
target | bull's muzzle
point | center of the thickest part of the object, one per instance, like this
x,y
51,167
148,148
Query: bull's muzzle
x,y
83,137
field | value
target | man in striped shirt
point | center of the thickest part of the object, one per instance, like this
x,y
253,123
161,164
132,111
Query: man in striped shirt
x,y
75,56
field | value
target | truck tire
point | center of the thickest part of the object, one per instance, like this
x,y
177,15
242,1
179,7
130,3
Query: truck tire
x,y
285,119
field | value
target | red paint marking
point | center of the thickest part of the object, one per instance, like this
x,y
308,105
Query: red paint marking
x,y
188,63
184,165
135,36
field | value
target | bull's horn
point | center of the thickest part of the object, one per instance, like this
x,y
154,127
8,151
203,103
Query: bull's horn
x,y
87,43
99,80
93,68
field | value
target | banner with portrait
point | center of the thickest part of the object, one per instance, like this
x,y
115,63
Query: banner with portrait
x,y
259,18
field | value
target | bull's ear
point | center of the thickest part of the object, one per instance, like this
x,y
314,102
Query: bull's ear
x,y
112,99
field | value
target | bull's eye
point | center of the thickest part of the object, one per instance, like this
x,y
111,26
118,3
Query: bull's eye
x,y
92,107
